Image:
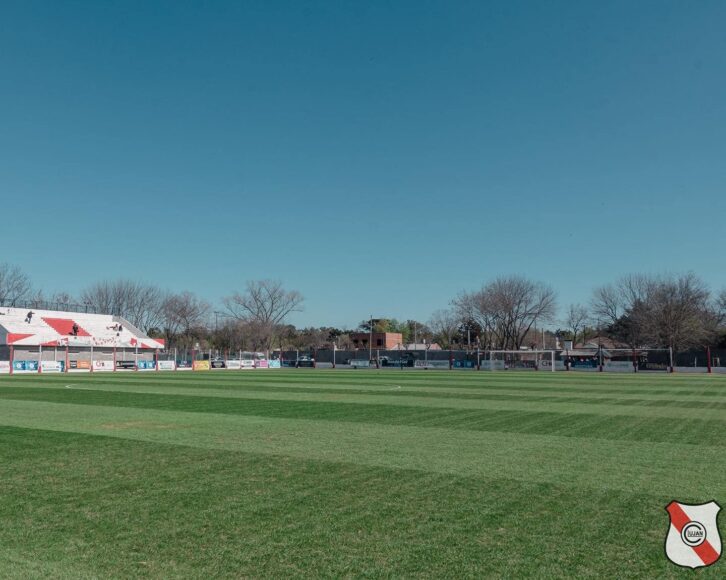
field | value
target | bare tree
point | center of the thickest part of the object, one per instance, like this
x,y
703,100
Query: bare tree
x,y
14,284
141,304
444,325
674,311
184,317
576,319
678,312
264,304
622,307
506,309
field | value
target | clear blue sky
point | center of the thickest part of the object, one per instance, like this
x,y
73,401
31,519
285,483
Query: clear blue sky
x,y
377,156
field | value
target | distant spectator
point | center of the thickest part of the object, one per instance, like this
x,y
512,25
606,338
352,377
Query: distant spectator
x,y
29,316
74,328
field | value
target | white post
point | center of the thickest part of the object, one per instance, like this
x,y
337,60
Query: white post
x,y
491,360
552,354
91,369
40,356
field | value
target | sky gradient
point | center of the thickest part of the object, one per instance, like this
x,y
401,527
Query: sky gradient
x,y
379,157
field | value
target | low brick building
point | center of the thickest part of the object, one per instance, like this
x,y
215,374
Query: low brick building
x,y
378,340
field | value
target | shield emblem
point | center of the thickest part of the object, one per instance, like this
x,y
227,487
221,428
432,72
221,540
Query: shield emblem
x,y
693,539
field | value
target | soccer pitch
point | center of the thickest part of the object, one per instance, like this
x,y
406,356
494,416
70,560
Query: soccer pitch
x,y
354,473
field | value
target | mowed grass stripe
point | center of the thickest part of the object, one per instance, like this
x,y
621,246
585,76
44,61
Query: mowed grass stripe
x,y
229,403
207,387
694,431
472,383
584,462
85,506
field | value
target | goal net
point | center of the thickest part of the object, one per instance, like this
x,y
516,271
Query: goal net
x,y
524,360
636,360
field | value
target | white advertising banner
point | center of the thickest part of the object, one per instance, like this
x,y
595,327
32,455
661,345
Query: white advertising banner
x,y
247,364
431,364
167,365
489,365
360,364
4,367
546,364
51,366
618,366
102,366
234,364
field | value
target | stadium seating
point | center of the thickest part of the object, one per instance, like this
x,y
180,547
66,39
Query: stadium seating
x,y
51,328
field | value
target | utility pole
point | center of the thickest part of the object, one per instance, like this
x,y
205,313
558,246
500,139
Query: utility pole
x,y
370,340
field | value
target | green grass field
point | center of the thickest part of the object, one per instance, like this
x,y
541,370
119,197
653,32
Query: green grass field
x,y
353,473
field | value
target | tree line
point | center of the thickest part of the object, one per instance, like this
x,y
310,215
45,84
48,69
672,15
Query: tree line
x,y
508,313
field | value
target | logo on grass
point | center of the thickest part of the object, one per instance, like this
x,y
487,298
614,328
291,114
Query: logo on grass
x,y
693,539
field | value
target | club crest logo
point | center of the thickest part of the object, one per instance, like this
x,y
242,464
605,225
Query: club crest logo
x,y
693,539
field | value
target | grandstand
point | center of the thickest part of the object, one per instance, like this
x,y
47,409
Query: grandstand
x,y
54,341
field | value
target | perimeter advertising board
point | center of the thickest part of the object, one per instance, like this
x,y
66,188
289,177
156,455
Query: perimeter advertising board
x,y
25,366
103,366
431,364
51,366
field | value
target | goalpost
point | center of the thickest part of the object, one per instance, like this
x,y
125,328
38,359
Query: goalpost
x,y
533,360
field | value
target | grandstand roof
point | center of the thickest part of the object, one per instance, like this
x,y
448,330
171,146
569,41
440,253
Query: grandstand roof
x,y
51,328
